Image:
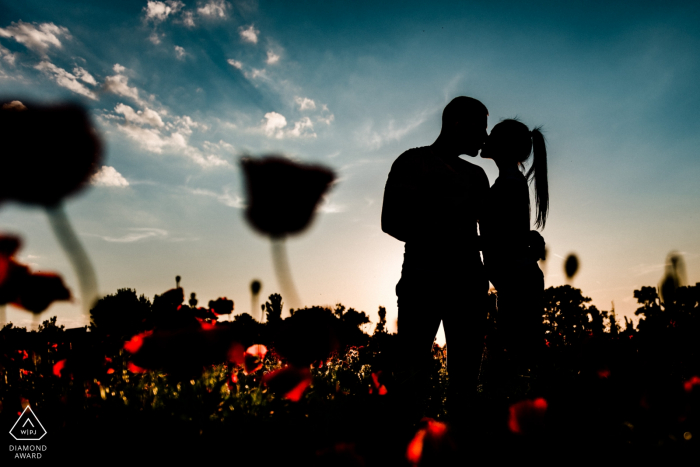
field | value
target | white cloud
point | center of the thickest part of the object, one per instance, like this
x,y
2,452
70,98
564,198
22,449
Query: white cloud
x,y
34,36
249,34
305,103
214,8
108,176
159,11
180,52
226,198
83,75
141,117
303,127
235,63
188,19
7,56
154,38
327,120
255,73
118,84
137,234
65,79
274,126
272,57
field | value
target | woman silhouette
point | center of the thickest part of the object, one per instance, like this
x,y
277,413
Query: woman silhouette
x,y
511,250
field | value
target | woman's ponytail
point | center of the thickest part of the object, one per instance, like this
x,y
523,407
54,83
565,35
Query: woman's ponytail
x,y
538,171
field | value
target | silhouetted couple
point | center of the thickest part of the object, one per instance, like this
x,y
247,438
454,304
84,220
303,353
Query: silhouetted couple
x,y
433,201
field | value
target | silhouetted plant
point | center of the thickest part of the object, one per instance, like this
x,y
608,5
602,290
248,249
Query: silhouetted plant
x,y
282,197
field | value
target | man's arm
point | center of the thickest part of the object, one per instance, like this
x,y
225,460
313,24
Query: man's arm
x,y
400,199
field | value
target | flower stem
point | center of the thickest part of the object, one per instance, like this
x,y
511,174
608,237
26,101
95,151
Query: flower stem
x,y
284,275
76,254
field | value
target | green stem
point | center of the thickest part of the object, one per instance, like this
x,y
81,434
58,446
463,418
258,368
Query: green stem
x,y
284,275
76,254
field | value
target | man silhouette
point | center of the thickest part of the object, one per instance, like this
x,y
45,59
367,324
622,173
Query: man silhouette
x,y
432,202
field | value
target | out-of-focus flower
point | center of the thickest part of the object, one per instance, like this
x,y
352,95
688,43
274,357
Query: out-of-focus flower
x,y
289,381
58,367
134,344
431,445
571,266
49,152
380,388
37,291
691,384
182,353
135,368
282,195
253,358
221,306
308,336
527,416
18,285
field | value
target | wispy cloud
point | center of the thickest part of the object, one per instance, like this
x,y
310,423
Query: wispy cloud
x,y
142,117
35,36
119,84
305,103
272,58
214,9
226,198
135,235
274,125
235,63
180,52
66,79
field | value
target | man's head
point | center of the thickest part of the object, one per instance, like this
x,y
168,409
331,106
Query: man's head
x,y
464,123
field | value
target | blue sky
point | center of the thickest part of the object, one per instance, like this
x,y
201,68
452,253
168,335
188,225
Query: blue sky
x,y
180,90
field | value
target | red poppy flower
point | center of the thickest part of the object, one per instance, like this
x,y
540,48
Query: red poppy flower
x,y
134,344
527,416
236,354
110,371
58,367
289,381
253,358
283,195
135,368
51,152
381,389
691,384
183,353
431,444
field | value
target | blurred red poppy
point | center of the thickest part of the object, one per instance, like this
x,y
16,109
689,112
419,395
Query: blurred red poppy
x,y
282,195
134,344
135,368
691,384
37,291
289,381
431,445
527,416
58,367
18,285
381,389
51,152
253,358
